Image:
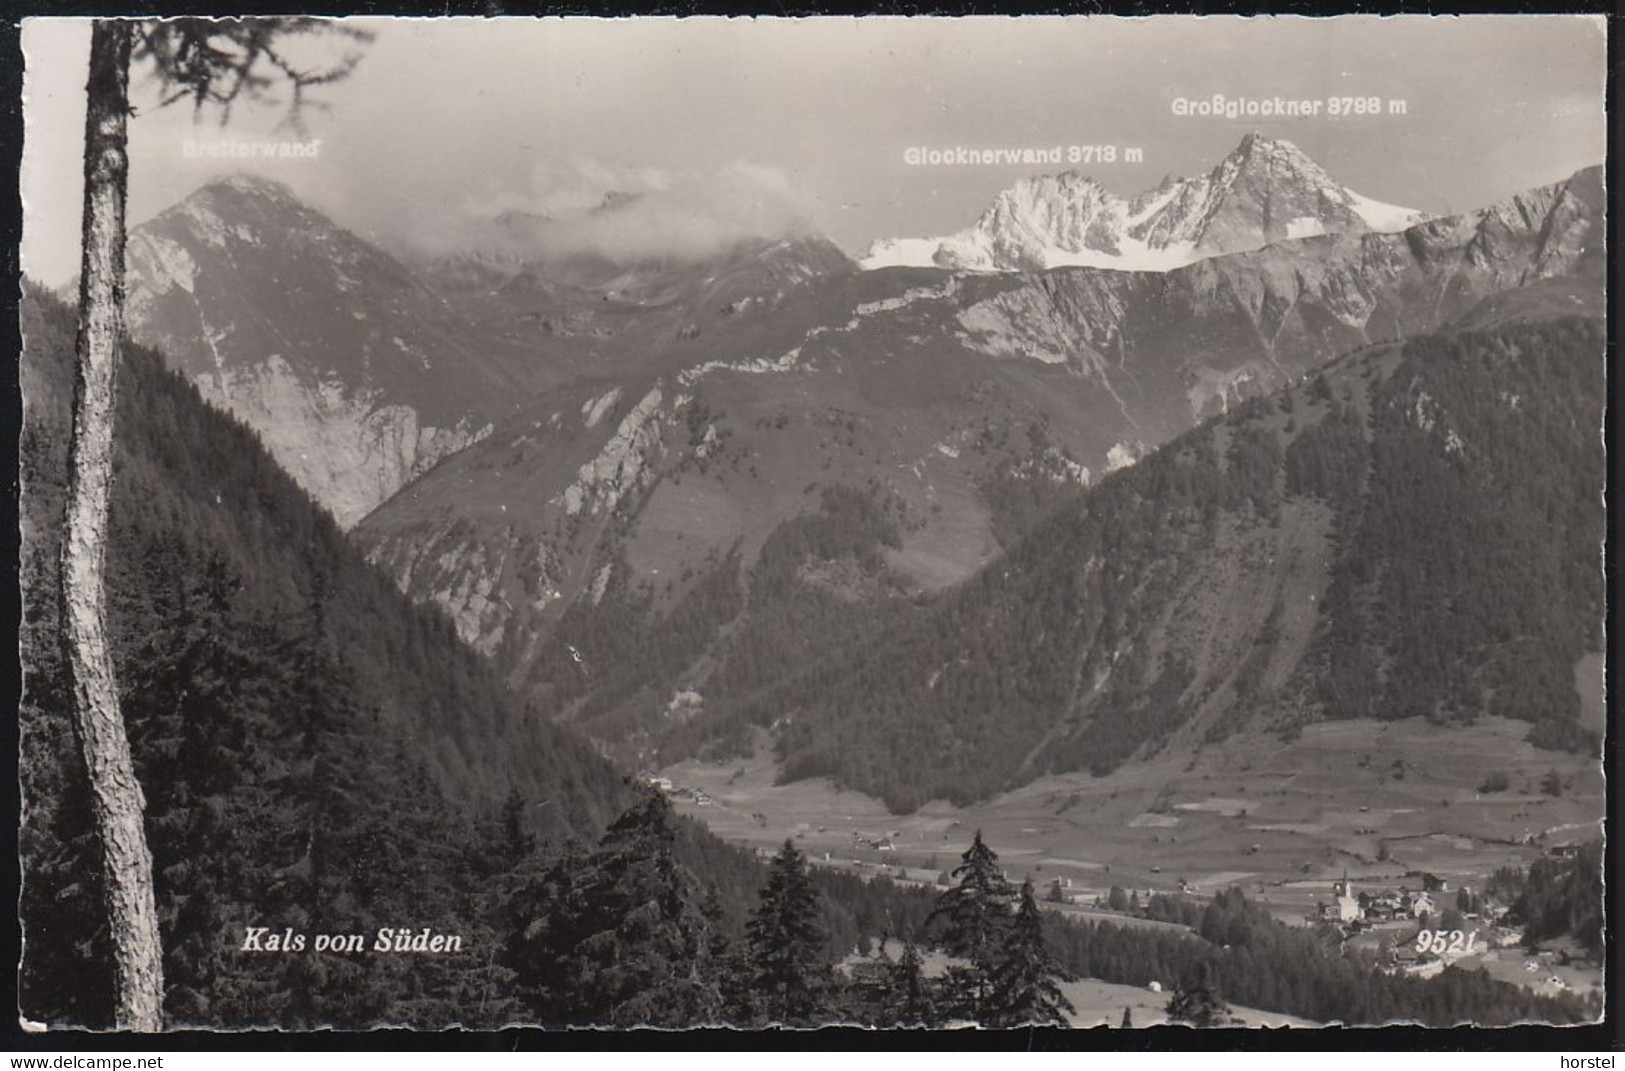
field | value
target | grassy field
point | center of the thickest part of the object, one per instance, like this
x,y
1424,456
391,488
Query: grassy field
x,y
1282,820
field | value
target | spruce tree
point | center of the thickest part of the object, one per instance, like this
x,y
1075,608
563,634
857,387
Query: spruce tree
x,y
910,999
1198,1003
1024,991
541,919
730,963
785,941
516,839
618,938
210,62
975,914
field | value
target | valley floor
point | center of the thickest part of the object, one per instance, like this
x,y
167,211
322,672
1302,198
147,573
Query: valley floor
x,y
1379,802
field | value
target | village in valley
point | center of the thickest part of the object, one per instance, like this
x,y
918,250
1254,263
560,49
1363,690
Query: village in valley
x,y
1415,928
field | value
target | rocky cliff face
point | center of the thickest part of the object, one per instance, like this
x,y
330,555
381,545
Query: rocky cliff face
x,y
1265,191
357,376
349,448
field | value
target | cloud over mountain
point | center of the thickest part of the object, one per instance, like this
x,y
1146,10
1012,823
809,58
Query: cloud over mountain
x,y
629,215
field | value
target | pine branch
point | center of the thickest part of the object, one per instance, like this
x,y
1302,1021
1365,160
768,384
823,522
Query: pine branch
x,y
217,63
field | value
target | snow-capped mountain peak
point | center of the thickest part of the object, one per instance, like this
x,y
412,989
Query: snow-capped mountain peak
x,y
1266,190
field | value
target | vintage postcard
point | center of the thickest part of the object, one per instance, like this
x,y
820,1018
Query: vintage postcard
x,y
907,522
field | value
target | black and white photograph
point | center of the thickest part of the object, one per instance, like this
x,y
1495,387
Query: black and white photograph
x,y
912,523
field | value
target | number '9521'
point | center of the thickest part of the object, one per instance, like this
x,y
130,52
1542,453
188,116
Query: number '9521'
x,y
1440,942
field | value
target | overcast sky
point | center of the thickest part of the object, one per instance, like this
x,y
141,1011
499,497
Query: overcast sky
x,y
747,122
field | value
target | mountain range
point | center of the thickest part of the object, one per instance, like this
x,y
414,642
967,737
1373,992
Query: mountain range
x,y
652,492
975,402
1266,191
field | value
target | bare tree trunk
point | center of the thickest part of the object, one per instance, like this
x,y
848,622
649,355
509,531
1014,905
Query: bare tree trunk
x,y
116,795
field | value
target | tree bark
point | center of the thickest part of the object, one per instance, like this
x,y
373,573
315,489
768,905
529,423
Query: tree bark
x,y
116,795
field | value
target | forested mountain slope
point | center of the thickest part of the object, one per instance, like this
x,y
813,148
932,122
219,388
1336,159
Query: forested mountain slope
x,y
317,753
315,750
1414,532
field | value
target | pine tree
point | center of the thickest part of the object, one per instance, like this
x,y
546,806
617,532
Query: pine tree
x,y
1128,1019
730,962
116,795
976,916
212,61
517,840
185,715
617,938
1198,1003
1024,991
539,920
911,1002
785,942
